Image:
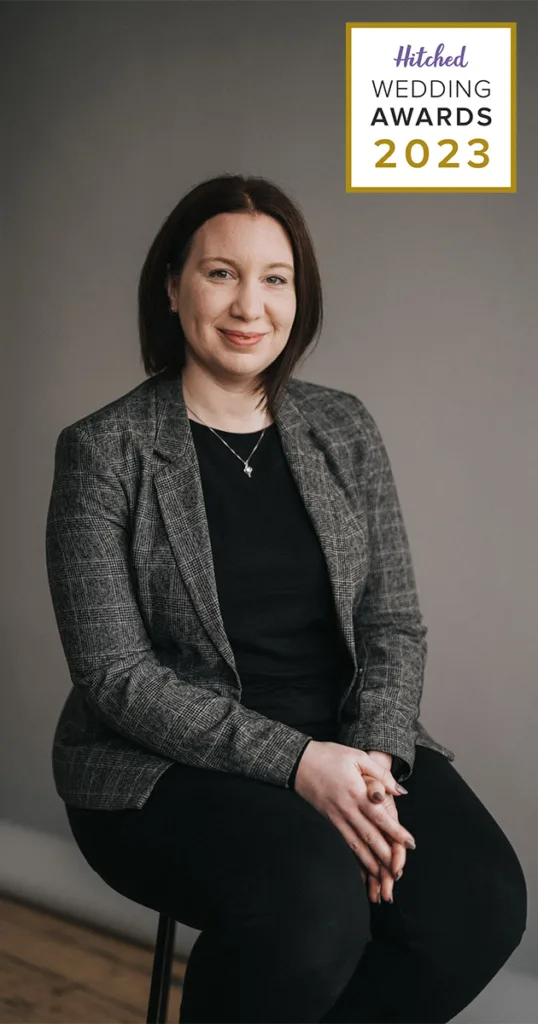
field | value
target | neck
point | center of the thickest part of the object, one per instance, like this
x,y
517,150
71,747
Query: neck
x,y
222,406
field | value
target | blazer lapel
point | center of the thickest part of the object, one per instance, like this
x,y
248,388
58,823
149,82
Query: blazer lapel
x,y
181,501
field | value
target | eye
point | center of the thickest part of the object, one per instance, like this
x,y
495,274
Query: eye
x,y
273,277
213,272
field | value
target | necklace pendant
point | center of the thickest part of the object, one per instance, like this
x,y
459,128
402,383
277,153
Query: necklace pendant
x,y
248,469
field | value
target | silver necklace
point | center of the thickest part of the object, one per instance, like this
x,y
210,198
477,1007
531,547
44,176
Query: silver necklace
x,y
246,468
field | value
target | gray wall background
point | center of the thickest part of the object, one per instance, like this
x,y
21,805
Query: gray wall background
x,y
111,112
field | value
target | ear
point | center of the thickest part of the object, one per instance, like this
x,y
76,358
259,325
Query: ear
x,y
169,284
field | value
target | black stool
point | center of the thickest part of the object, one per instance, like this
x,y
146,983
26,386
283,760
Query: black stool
x,y
162,971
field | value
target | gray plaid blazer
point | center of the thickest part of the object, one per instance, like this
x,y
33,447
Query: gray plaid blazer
x,y
132,582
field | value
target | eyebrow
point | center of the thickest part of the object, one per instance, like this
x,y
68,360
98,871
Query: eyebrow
x,y
223,259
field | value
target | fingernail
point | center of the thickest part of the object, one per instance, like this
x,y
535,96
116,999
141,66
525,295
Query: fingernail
x,y
377,797
410,843
379,897
400,789
399,875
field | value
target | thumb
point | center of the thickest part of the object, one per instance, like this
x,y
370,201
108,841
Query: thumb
x,y
367,766
375,794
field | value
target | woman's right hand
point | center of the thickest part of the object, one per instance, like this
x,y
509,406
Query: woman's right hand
x,y
329,777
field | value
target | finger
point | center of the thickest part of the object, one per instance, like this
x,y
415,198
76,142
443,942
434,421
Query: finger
x,y
381,889
360,848
380,816
388,876
373,825
386,885
399,854
366,831
374,889
377,791
366,764
399,851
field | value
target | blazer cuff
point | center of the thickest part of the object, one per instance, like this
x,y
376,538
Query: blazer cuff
x,y
291,780
400,768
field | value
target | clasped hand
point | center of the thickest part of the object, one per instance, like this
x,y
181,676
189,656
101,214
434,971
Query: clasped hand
x,y
327,779
382,888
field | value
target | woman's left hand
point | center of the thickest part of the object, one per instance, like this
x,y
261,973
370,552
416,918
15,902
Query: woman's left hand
x,y
382,889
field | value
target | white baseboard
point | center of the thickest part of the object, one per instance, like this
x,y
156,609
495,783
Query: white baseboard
x,y
51,872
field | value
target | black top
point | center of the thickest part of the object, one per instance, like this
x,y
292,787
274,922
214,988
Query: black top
x,y
273,586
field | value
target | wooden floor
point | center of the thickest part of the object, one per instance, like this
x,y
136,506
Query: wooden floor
x,y
54,969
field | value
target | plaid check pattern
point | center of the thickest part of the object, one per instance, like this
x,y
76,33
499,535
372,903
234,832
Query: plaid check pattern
x,y
132,583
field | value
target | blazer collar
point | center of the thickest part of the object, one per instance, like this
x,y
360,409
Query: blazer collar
x,y
174,439
181,501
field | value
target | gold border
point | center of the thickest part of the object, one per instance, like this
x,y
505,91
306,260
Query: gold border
x,y
512,25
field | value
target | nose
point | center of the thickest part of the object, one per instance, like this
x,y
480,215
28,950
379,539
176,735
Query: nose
x,y
248,301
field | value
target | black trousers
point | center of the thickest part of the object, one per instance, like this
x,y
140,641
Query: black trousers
x,y
288,933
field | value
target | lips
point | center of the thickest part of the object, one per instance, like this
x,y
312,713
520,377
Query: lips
x,y
241,339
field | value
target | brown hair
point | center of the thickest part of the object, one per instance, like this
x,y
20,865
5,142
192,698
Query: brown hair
x,y
162,340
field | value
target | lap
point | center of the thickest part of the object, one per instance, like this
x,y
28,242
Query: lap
x,y
210,842
464,872
224,844
453,829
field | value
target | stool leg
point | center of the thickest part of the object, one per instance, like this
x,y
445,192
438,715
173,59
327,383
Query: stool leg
x,y
162,971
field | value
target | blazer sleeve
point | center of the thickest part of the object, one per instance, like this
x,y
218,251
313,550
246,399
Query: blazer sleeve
x,y
107,648
388,620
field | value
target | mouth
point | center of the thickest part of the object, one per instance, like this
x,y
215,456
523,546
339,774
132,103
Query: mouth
x,y
243,340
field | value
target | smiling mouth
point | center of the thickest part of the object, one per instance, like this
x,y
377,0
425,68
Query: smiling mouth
x,y
241,339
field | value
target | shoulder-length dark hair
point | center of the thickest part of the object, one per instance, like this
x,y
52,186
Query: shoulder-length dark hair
x,y
162,339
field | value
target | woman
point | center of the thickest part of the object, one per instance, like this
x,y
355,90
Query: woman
x,y
234,592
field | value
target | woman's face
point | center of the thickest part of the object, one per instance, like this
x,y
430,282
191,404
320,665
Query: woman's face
x,y
238,276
